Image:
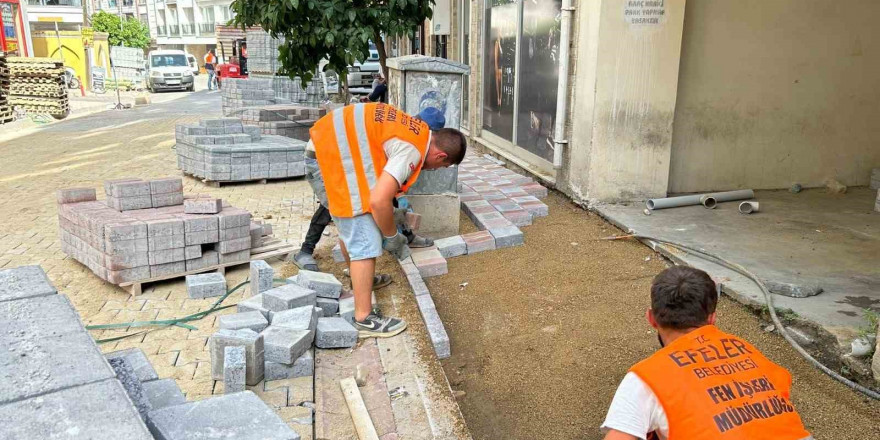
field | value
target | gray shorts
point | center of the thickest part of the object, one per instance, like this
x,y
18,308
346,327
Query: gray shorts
x,y
362,238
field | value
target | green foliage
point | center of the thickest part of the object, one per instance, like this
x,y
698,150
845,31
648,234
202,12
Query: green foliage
x,y
336,30
872,318
132,33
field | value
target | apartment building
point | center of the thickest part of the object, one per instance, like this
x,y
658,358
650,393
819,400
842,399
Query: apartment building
x,y
187,24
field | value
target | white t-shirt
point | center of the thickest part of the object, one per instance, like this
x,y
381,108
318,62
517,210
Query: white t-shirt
x,y
403,158
635,410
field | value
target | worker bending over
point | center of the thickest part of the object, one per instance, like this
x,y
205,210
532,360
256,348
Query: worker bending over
x,y
703,384
367,154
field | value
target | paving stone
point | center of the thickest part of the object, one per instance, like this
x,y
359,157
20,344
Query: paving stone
x,y
102,410
162,200
169,242
507,237
44,338
202,206
241,256
167,269
335,333
451,246
192,252
253,320
284,345
255,304
328,306
239,416
166,185
163,392
430,262
166,256
300,318
205,285
519,217
346,308
234,245
325,285
337,254
208,259
235,233
129,189
434,325
256,233
303,366
24,282
287,297
126,375
261,276
233,369
138,361
254,352
479,241
76,195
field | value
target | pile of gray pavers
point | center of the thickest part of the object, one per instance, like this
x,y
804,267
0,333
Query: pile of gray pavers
x,y
271,337
288,120
134,244
238,93
225,150
57,384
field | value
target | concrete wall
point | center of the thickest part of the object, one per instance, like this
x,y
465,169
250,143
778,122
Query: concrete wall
x,y
776,92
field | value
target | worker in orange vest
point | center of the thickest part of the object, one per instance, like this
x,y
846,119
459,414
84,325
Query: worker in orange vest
x,y
703,384
358,159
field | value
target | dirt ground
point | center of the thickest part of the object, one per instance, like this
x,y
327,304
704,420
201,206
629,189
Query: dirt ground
x,y
542,334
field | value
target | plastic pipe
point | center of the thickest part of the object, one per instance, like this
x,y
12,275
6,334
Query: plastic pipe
x,y
708,202
696,199
748,207
559,140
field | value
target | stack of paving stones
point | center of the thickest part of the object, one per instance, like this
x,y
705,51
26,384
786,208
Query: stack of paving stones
x,y
225,150
139,244
289,120
238,93
37,86
278,327
5,109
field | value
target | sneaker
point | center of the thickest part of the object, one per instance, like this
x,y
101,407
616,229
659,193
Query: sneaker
x,y
305,261
420,242
379,280
377,326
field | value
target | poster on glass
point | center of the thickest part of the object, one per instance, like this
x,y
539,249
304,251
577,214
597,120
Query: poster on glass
x,y
499,67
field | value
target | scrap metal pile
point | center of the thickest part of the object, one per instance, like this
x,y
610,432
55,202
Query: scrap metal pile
x,y
37,86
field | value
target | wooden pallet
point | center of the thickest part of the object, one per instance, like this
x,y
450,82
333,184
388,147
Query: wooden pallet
x,y
272,247
219,183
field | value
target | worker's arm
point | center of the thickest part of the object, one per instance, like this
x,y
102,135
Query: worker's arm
x,y
617,435
381,203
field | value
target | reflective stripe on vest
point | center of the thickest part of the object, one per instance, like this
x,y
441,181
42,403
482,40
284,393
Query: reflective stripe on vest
x,y
716,386
349,147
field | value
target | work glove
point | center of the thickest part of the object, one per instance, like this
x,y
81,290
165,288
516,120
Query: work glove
x,y
396,245
400,216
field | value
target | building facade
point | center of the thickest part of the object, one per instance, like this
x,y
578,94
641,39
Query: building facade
x,y
188,24
670,96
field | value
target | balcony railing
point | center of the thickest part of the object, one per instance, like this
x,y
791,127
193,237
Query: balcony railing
x,y
77,3
174,30
161,31
206,28
187,29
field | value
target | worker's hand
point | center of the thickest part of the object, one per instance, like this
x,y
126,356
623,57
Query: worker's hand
x,y
400,216
396,245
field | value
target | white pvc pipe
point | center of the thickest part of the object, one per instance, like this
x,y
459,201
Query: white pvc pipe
x,y
559,140
708,202
696,199
748,207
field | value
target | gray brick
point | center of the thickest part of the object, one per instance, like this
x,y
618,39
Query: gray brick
x,y
253,344
235,233
166,185
167,242
287,297
239,416
253,320
200,223
346,308
128,275
138,246
203,237
261,276
301,367
164,227
208,259
236,257
76,195
202,206
98,410
233,218
234,245
138,361
125,231
233,369
451,246
166,256
507,236
129,189
167,269
335,333
285,345
255,304
205,285
171,199
130,203
24,282
163,393
328,306
126,375
325,285
300,318
192,252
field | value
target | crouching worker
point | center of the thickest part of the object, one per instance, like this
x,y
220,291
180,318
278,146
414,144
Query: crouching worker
x,y
366,155
703,384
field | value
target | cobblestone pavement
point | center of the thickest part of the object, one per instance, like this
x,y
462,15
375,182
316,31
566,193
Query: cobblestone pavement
x,y
137,142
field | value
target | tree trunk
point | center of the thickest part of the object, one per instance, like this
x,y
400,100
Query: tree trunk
x,y
383,55
343,83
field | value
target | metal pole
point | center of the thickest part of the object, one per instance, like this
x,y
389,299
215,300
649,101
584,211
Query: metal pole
x,y
113,64
559,140
58,39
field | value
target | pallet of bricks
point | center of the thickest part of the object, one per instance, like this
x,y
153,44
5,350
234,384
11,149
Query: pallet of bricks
x,y
37,86
128,62
5,108
147,231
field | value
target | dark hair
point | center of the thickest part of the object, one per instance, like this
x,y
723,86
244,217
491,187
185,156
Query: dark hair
x,y
452,142
683,297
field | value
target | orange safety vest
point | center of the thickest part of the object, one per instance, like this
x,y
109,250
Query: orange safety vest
x,y
349,149
716,386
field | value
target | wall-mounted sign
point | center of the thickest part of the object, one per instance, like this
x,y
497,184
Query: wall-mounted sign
x,y
644,12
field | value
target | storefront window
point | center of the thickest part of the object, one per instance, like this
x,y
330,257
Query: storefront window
x,y
11,32
465,27
522,109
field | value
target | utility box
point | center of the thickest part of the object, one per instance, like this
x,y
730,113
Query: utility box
x,y
415,83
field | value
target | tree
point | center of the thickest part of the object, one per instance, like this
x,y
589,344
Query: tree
x,y
132,32
336,30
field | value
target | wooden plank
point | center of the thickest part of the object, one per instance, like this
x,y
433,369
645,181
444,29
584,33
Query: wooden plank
x,y
275,253
358,409
267,247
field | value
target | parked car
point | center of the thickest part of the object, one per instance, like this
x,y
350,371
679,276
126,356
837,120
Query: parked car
x,y
193,64
363,74
169,70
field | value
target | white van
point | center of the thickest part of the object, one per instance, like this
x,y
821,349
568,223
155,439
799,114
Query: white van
x,y
169,70
193,64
